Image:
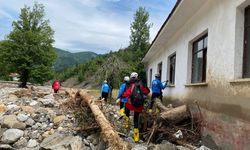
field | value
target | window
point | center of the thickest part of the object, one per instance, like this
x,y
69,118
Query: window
x,y
246,54
199,60
150,77
172,59
159,70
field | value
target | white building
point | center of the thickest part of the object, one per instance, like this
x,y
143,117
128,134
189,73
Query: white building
x,y
203,48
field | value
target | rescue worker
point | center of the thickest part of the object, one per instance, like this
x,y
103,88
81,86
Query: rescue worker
x,y
157,88
105,90
56,86
134,104
122,101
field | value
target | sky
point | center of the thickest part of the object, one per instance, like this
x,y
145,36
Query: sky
x,y
89,25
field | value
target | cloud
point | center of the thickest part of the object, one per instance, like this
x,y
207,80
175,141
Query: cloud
x,y
92,25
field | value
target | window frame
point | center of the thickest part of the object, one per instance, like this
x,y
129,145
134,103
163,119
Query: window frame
x,y
204,58
171,76
159,69
244,66
150,77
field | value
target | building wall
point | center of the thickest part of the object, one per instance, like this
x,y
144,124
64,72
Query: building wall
x,y
225,100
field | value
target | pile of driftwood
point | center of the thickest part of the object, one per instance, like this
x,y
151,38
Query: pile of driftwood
x,y
175,125
172,124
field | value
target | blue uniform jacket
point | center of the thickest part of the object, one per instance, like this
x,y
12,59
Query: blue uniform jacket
x,y
105,88
121,91
157,86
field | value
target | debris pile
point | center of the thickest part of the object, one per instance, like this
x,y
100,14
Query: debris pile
x,y
35,118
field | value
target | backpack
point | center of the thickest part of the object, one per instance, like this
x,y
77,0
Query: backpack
x,y
137,96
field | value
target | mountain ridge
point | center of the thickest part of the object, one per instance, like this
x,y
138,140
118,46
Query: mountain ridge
x,y
67,59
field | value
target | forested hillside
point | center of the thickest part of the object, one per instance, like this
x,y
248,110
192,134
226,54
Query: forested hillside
x,y
115,65
111,67
66,59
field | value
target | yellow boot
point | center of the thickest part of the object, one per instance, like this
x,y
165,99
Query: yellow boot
x,y
126,122
122,112
136,134
150,110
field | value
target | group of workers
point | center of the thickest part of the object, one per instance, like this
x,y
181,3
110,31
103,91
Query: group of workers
x,y
131,97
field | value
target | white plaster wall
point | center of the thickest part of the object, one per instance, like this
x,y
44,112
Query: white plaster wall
x,y
218,19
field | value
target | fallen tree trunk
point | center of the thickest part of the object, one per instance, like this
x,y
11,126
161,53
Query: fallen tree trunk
x,y
175,115
160,106
110,135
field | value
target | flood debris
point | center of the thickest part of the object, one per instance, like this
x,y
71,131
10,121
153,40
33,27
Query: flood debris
x,y
73,119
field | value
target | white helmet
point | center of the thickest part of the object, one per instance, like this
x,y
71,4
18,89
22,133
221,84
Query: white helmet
x,y
126,78
157,75
134,75
105,81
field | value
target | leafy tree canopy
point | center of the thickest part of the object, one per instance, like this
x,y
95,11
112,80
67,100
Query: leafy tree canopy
x,y
28,49
139,38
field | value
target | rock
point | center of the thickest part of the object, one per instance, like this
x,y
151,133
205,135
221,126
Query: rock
x,y
48,101
12,98
9,121
32,143
168,146
45,134
2,108
58,141
6,146
19,125
21,143
139,147
203,147
50,96
130,139
12,135
30,122
182,148
58,119
44,126
43,119
42,110
2,130
33,103
22,117
48,133
12,107
28,109
34,135
60,128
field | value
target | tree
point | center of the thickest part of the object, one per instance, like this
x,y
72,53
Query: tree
x,y
28,48
139,38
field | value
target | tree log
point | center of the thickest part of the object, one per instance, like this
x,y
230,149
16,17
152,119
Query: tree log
x,y
175,115
160,106
110,135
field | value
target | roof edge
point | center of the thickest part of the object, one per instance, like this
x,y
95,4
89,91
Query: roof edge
x,y
165,22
